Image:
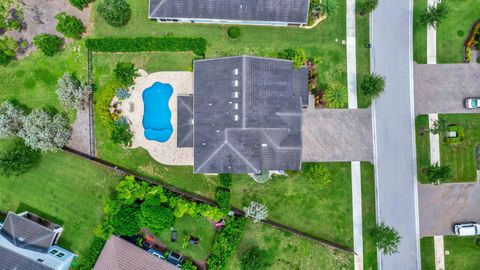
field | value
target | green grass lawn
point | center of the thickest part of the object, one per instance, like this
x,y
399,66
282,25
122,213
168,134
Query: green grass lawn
x,y
186,226
427,251
420,33
68,190
368,215
464,253
423,147
287,251
453,30
461,157
302,203
363,55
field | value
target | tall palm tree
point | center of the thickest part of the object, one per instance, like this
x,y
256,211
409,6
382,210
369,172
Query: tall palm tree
x,y
328,7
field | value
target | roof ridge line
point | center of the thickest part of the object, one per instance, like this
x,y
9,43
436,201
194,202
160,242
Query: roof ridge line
x,y
210,157
242,156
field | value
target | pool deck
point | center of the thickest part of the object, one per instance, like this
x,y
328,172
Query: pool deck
x,y
132,108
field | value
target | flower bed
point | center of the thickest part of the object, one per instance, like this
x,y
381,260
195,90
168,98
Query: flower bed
x,y
472,40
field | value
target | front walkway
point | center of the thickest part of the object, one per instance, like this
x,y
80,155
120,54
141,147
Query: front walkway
x,y
431,40
439,252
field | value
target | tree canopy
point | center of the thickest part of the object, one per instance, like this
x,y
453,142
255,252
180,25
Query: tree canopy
x,y
439,174
48,44
386,238
71,93
372,85
11,120
116,13
434,14
18,158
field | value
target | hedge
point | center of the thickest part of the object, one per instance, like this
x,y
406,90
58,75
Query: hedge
x,y
142,44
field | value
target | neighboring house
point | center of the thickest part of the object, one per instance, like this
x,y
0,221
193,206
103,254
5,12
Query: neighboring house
x,y
29,242
245,115
119,254
254,12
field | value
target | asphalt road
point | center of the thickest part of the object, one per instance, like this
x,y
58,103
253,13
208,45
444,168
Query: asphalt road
x,y
394,147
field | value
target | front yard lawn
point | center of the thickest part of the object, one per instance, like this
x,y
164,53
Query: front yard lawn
x,y
464,253
427,250
423,147
420,33
286,251
363,55
68,190
368,216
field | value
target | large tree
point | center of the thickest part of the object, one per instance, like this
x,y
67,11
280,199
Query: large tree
x,y
11,120
18,158
116,13
386,238
71,93
44,131
156,215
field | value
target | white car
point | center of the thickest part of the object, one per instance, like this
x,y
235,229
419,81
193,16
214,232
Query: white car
x,y
472,103
466,229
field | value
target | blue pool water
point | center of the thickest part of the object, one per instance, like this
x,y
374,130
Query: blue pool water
x,y
157,114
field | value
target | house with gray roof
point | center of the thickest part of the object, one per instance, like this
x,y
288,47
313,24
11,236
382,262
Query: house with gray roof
x,y
253,12
28,242
245,115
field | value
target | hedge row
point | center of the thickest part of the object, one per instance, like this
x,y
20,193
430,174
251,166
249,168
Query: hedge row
x,y
142,44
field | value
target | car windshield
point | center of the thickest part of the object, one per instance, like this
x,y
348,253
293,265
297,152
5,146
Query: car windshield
x,y
474,103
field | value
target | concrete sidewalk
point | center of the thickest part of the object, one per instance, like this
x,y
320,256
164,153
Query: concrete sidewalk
x,y
431,40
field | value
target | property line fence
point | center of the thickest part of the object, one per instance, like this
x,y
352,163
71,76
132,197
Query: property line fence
x,y
202,199
91,123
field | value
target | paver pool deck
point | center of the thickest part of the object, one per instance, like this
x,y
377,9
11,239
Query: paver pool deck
x,y
164,152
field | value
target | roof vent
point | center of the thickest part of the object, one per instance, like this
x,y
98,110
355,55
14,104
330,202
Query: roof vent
x,y
235,94
264,145
235,71
204,143
235,83
235,117
21,239
235,106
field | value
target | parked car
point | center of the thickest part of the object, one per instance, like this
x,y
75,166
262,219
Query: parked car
x,y
472,103
466,229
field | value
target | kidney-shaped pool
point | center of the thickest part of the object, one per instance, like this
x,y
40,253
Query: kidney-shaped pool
x,y
157,115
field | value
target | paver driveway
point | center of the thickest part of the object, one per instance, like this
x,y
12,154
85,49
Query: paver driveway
x,y
337,135
443,88
442,206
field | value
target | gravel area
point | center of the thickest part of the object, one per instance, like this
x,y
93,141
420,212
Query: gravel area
x,y
80,136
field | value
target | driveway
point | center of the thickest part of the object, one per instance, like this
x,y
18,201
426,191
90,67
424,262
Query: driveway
x,y
337,135
442,206
442,88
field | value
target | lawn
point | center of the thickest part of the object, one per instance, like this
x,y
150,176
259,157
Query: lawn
x,y
286,251
368,216
464,253
461,157
65,189
423,147
363,55
186,226
453,30
303,203
419,33
427,251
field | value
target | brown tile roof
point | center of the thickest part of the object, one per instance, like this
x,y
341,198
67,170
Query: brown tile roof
x,y
119,254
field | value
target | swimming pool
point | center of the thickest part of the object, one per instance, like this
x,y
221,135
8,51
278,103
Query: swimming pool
x,y
157,114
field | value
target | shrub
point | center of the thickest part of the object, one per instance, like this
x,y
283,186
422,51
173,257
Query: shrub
x,y
336,96
188,265
89,258
141,44
122,218
8,50
254,259
226,242
473,35
71,93
18,159
80,4
438,174
468,54
372,85
122,94
225,180
44,131
69,26
328,7
459,130
433,15
368,6
155,216
121,133
105,97
298,56
234,32
223,197
48,44
386,238
116,13
440,126
125,72
11,120
129,190
256,211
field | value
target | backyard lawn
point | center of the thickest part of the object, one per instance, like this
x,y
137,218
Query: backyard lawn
x,y
461,157
286,251
368,214
423,147
427,251
68,190
464,253
419,33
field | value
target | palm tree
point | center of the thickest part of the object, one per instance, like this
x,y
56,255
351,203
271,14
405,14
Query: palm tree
x,y
328,7
336,96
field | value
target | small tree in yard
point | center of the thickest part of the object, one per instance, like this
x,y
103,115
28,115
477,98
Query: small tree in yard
x,y
69,26
256,211
440,126
298,56
48,44
372,85
254,259
434,14
368,6
11,120
80,4
225,179
386,238
155,215
116,13
8,50
328,7
44,131
336,96
18,159
71,93
125,72
438,174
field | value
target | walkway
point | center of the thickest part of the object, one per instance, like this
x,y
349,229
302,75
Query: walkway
x,y
394,130
80,136
439,252
431,40
434,141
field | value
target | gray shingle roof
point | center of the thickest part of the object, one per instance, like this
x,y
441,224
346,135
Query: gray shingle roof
x,y
292,11
247,115
10,260
27,234
184,121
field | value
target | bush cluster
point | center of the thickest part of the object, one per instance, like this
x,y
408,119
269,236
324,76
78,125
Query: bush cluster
x,y
225,179
234,32
8,50
223,197
298,56
226,242
141,44
48,44
80,4
89,259
69,26
125,72
116,13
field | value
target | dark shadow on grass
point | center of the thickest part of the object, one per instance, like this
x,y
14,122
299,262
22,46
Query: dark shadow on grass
x,y
22,207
